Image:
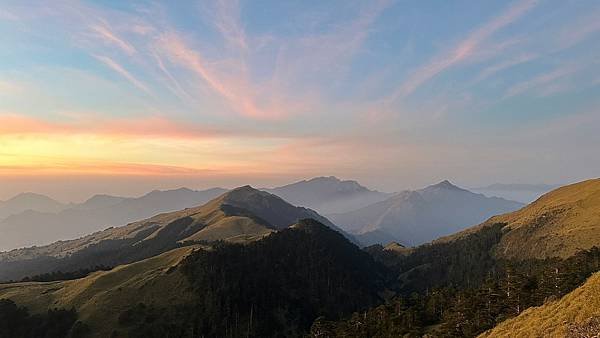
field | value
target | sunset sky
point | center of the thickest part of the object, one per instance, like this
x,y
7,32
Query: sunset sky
x,y
123,98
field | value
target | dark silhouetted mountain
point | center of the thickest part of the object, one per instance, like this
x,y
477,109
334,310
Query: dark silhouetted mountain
x,y
328,195
241,215
99,212
29,201
416,217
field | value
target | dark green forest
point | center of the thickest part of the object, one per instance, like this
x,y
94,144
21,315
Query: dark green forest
x,y
460,310
273,287
55,323
310,280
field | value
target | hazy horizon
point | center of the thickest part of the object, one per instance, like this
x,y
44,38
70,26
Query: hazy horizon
x,y
79,191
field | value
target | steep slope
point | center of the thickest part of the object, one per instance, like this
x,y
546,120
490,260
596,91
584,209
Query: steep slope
x,y
556,319
29,201
272,287
558,224
97,213
328,195
416,217
101,297
243,214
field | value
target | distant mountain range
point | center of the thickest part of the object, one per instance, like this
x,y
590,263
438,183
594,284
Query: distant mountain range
x,y
33,219
409,217
420,216
525,193
29,201
328,195
240,215
52,221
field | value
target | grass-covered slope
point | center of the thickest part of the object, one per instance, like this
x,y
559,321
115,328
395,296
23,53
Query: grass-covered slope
x,y
573,312
101,297
241,215
275,286
558,224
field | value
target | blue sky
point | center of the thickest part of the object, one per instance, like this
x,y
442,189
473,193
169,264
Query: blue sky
x,y
396,94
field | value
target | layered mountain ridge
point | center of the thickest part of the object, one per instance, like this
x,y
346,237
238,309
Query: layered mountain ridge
x,y
328,195
420,216
29,201
240,215
38,227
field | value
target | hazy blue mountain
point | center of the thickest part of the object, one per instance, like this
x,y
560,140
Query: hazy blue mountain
x,y
525,193
99,212
328,195
29,201
240,215
99,201
416,217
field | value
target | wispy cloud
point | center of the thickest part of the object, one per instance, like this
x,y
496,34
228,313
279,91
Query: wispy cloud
x,y
236,91
103,31
503,65
542,80
463,50
122,71
226,18
580,30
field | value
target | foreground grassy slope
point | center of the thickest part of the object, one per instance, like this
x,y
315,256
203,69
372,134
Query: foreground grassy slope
x,y
100,297
553,319
558,224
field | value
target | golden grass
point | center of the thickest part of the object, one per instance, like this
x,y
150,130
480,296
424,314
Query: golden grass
x,y
552,319
558,224
102,296
214,224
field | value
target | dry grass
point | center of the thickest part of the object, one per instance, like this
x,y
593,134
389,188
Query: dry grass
x,y
554,319
102,296
215,225
558,224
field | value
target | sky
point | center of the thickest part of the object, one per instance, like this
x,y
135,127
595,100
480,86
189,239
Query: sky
x,y
125,97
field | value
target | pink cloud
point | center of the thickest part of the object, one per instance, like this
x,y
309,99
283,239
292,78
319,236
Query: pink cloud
x,y
236,90
14,124
103,31
122,71
464,50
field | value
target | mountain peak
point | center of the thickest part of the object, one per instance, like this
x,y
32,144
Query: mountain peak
x,y
325,178
247,195
445,184
243,190
28,196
